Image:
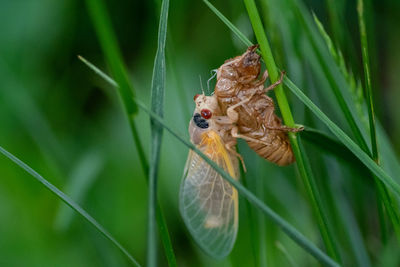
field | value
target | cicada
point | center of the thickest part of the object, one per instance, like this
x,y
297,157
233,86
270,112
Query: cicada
x,y
208,203
238,108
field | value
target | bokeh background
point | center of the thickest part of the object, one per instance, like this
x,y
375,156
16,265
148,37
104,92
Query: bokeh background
x,y
67,123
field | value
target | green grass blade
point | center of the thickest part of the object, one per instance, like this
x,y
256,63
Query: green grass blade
x,y
80,180
247,42
300,155
331,145
382,192
368,91
253,224
389,203
302,15
157,106
283,224
345,139
108,42
70,203
109,45
161,222
241,36
287,255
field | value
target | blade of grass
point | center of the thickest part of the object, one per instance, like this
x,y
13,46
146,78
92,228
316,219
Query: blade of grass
x,y
80,180
345,139
287,255
247,42
243,38
330,75
393,164
331,145
301,158
161,222
283,224
157,106
70,203
385,196
109,45
108,42
251,216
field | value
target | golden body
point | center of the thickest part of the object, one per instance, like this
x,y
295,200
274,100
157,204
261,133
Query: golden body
x,y
239,91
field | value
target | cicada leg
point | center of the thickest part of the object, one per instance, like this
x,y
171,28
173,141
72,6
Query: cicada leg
x,y
275,84
235,134
232,116
284,128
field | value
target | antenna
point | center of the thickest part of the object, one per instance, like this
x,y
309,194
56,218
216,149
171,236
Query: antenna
x,y
212,77
201,85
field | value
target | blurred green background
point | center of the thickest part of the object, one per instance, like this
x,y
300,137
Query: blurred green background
x,y
67,123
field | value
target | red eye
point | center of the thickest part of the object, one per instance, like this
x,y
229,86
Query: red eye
x,y
206,113
195,97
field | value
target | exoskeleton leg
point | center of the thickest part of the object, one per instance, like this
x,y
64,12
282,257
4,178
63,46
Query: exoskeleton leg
x,y
275,84
262,80
284,128
235,134
232,116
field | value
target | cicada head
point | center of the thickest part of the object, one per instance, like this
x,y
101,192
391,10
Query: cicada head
x,y
202,120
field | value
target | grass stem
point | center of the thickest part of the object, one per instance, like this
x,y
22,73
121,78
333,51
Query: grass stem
x,y
301,158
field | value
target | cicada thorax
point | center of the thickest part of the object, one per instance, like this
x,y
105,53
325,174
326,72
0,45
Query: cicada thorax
x,y
237,79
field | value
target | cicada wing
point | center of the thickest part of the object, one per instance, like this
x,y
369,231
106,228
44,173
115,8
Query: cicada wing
x,y
209,204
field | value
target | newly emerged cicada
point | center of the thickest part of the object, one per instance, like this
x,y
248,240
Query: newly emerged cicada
x,y
208,203
238,108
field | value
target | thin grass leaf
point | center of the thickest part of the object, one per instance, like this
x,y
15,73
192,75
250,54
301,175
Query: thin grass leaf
x,y
100,73
393,163
383,195
252,221
354,87
157,106
70,203
335,21
287,255
109,45
300,155
283,224
345,139
368,90
80,180
337,83
108,42
241,36
390,205
161,222
331,145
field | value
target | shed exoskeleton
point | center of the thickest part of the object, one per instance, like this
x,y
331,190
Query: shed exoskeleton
x,y
242,99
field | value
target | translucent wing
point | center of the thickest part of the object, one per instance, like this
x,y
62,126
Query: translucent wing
x,y
208,203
